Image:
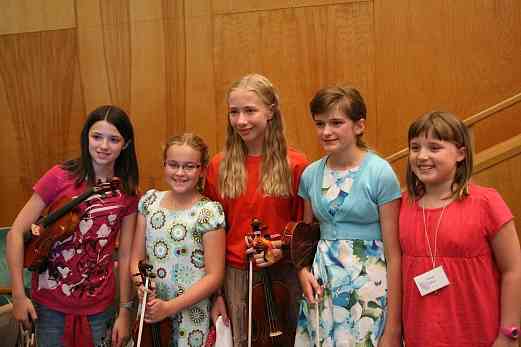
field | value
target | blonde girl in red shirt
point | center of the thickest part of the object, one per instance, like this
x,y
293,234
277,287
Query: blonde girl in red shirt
x,y
256,175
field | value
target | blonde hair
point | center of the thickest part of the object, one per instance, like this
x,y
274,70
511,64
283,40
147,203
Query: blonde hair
x,y
196,143
275,170
443,126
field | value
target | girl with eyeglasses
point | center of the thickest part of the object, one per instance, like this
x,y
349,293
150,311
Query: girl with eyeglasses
x,y
177,232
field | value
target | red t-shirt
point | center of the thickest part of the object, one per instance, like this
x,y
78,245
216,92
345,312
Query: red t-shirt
x,y
79,278
275,212
466,313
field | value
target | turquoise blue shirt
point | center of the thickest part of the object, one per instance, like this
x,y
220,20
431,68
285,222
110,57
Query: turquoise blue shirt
x,y
358,217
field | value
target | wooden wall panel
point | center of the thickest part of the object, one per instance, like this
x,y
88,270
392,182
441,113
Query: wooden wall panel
x,y
91,54
236,6
499,127
458,56
175,66
21,16
148,88
300,50
170,62
38,74
504,177
116,48
200,116
132,55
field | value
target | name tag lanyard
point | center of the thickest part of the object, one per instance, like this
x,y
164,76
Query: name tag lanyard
x,y
433,280
431,253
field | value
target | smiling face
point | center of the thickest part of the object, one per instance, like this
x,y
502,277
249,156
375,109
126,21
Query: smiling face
x,y
434,161
336,132
105,145
182,168
249,117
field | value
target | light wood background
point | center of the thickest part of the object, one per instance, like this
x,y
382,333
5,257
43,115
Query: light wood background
x,y
169,64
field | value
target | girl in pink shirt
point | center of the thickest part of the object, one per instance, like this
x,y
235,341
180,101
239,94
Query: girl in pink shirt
x,y
461,265
72,297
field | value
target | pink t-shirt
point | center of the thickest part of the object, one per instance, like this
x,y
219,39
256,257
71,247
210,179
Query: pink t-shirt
x,y
466,312
80,277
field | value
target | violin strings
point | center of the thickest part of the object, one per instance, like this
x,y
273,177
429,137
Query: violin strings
x,y
272,315
156,336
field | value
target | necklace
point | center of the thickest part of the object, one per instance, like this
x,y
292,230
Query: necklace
x,y
431,253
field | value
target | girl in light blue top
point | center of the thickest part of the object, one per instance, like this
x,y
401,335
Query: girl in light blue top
x,y
354,194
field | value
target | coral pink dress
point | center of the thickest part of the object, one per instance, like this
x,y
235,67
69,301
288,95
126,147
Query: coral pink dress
x,y
466,312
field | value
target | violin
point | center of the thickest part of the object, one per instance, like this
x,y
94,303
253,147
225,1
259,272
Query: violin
x,y
59,222
301,240
152,334
268,300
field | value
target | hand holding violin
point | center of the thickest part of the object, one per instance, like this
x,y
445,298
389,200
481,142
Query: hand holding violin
x,y
157,310
24,312
140,290
265,252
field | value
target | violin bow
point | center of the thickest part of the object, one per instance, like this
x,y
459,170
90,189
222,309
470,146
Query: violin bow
x,y
27,336
142,314
143,269
250,299
257,231
317,317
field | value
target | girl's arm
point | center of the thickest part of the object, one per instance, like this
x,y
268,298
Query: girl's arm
x,y
308,212
308,282
28,215
505,246
138,247
214,249
120,332
389,213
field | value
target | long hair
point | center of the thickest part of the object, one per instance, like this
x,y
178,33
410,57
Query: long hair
x,y
126,166
275,170
443,126
196,143
347,100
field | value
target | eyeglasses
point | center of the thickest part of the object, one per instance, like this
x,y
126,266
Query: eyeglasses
x,y
186,167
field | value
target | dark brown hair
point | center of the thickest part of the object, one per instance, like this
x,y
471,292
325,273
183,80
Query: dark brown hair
x,y
347,100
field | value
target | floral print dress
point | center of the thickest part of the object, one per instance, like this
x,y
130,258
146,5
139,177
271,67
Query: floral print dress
x,y
174,246
353,272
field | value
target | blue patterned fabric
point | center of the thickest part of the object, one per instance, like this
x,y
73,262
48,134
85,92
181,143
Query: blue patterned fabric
x,y
358,218
350,257
174,246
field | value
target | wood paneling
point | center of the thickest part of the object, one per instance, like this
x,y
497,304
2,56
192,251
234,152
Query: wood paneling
x,y
22,16
236,6
148,89
300,50
504,177
38,77
169,63
201,116
458,56
175,66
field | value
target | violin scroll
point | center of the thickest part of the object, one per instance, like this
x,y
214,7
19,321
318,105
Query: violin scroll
x,y
156,334
259,242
